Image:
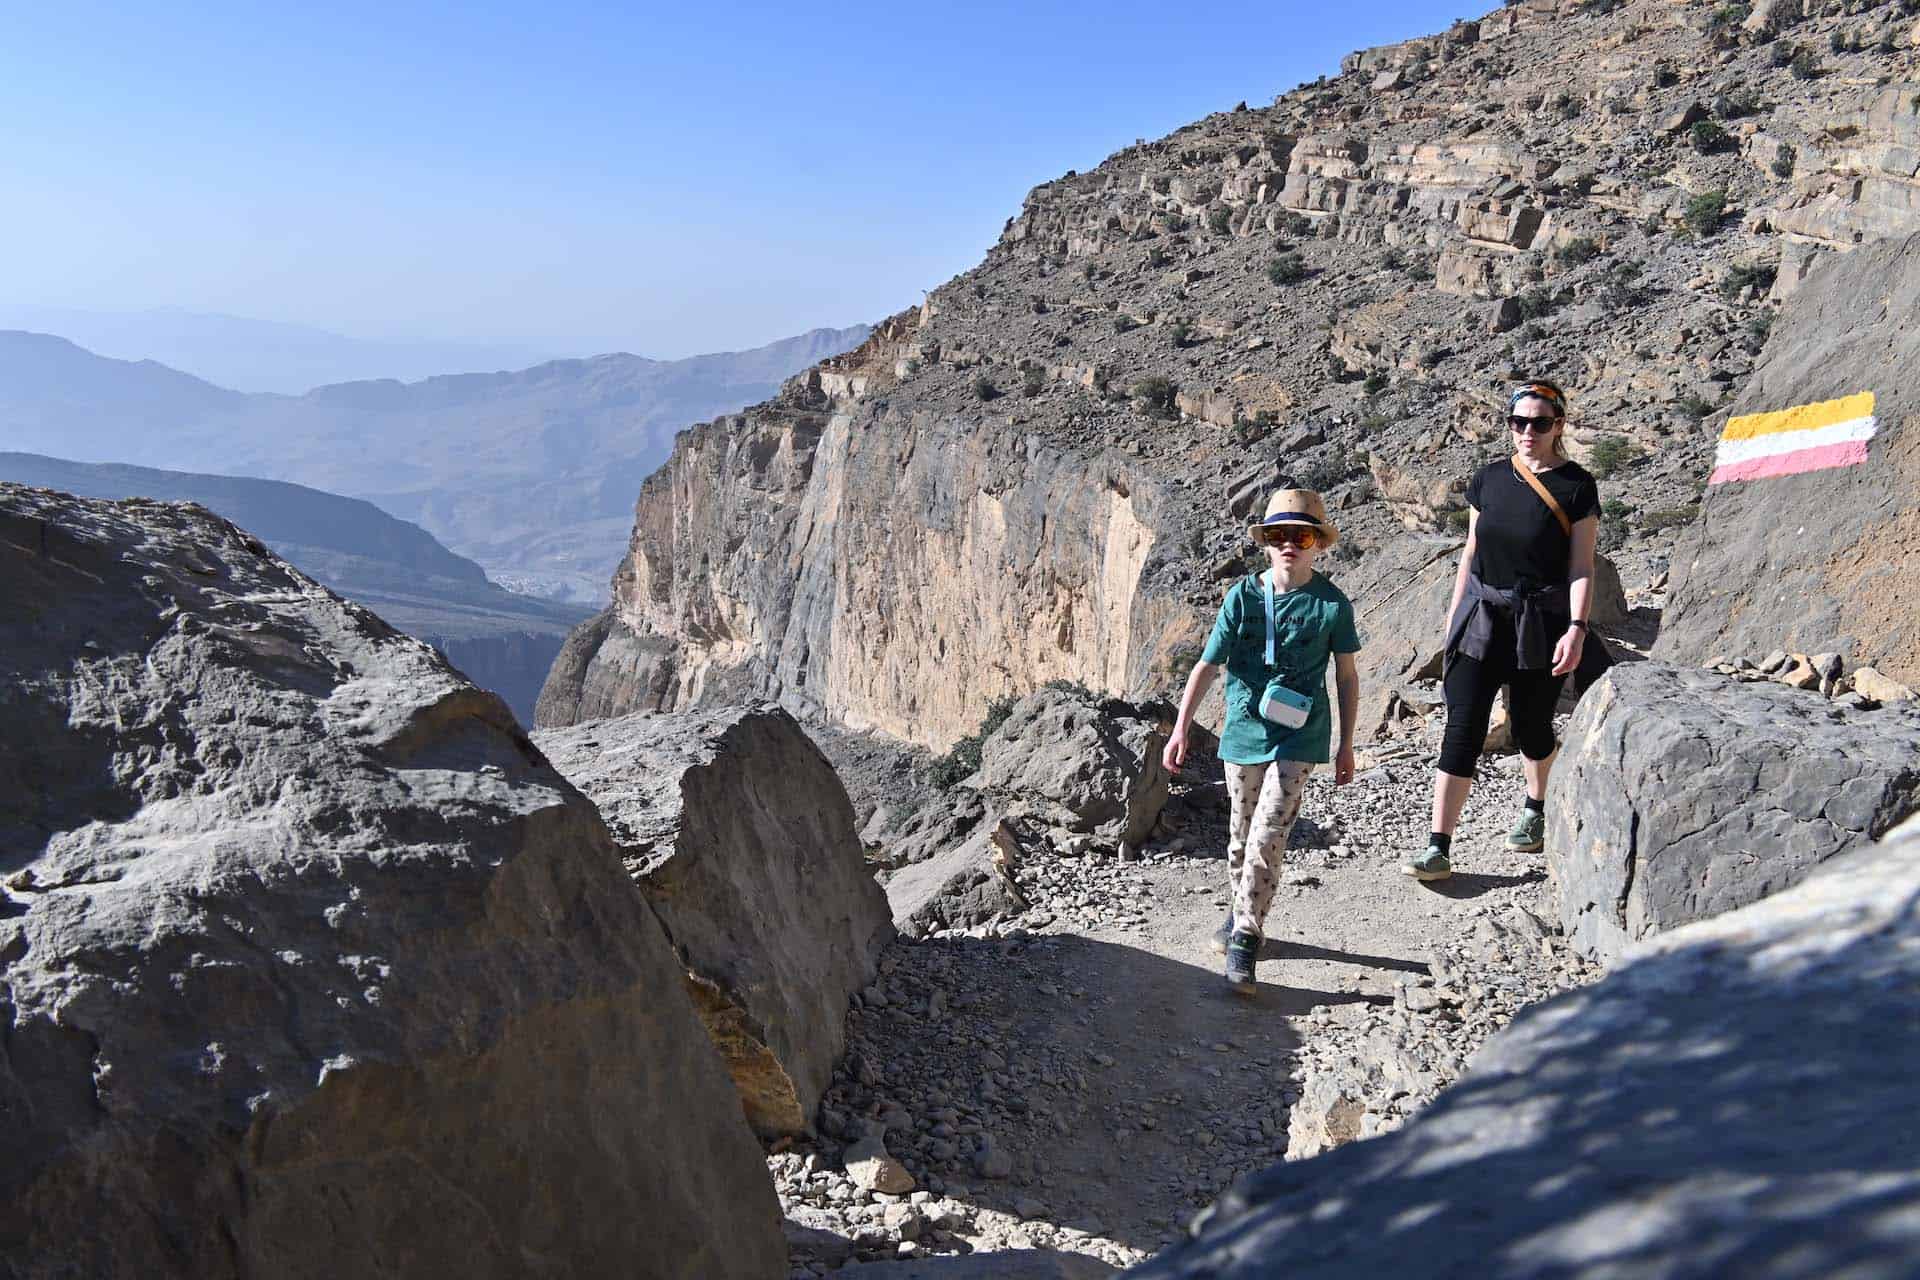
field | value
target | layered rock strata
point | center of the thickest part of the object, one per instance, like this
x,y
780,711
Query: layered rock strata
x,y
1823,554
310,965
892,570
741,837
1682,794
1669,1121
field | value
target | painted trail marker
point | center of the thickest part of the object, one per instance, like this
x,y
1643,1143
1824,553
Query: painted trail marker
x,y
1785,442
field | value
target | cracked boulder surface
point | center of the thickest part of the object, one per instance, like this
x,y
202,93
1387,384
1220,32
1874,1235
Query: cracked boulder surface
x,y
1683,793
742,838
1734,1100
310,964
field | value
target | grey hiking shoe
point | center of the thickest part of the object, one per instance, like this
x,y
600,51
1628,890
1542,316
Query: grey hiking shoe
x,y
1431,865
1529,833
1222,934
1242,950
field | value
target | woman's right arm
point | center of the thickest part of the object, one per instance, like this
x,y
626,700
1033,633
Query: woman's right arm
x,y
1198,683
1466,565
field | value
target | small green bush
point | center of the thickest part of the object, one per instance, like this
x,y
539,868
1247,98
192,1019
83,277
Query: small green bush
x,y
1156,257
1736,104
1693,406
1420,269
1744,275
1575,252
1394,259
1458,519
1758,328
1033,380
1707,137
1784,161
1375,383
1155,397
1610,453
1614,509
1804,65
1781,54
1288,268
1220,220
1668,517
1125,324
1181,333
1175,223
1535,303
962,760
1728,16
1704,212
983,387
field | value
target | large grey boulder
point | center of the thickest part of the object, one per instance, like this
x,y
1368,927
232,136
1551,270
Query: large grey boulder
x,y
1084,763
967,885
740,835
1681,794
1821,560
1734,1100
310,964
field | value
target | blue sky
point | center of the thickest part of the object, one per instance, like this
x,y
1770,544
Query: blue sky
x,y
670,179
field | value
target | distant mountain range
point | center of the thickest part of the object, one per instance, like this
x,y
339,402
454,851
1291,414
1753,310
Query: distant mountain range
x,y
266,355
503,641
531,473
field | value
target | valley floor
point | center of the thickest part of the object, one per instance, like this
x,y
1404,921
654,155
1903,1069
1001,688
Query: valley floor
x,y
1081,1080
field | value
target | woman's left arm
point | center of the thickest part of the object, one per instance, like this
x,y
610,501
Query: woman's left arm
x,y
1566,654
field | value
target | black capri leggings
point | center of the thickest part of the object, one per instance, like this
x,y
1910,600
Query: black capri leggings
x,y
1471,687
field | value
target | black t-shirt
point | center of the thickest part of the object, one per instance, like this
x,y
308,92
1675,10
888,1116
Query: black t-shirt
x,y
1518,542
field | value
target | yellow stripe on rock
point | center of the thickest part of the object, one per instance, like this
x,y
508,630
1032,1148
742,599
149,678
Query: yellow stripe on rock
x,y
1802,417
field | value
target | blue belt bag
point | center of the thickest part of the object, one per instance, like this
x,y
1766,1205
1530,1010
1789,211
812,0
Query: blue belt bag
x,y
1279,704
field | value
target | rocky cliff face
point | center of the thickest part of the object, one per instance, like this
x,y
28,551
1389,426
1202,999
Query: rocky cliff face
x,y
1810,539
310,964
1040,472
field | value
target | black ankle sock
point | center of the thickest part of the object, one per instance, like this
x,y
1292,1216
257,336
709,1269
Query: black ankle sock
x,y
1536,806
1443,843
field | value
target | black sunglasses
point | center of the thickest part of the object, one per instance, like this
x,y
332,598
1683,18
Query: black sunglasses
x,y
1540,425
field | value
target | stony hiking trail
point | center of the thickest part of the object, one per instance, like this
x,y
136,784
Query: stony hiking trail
x,y
1080,1079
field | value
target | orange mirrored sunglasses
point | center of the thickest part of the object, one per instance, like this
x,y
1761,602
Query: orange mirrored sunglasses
x,y
1293,535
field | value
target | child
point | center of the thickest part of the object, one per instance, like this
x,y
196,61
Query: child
x,y
1273,636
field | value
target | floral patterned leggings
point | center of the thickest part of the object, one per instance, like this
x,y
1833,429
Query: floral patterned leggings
x,y
1265,800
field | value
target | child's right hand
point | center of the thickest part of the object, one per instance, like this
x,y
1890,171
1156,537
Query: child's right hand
x,y
1175,753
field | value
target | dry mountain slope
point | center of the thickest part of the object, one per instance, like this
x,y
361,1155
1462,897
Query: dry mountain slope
x,y
1030,476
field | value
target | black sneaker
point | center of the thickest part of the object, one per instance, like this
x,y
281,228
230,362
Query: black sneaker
x,y
1221,935
1242,950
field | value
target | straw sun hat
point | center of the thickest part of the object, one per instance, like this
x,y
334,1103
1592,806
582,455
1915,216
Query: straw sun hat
x,y
1295,506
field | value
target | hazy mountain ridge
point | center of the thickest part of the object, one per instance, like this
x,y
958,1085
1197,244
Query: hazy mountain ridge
x,y
531,472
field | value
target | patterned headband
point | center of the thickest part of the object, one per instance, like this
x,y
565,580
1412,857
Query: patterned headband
x,y
1543,390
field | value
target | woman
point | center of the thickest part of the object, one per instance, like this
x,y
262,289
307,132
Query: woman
x,y
1519,615
1273,637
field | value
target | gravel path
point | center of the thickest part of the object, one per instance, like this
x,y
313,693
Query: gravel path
x,y
1080,1078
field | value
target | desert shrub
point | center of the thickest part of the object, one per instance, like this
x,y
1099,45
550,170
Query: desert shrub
x,y
1175,223
1736,104
1181,333
1704,211
1125,324
1394,259
1744,275
1154,396
1707,137
1727,17
1758,328
1457,519
1220,220
1375,383
1610,453
1804,65
1287,269
983,387
1694,406
1156,257
1535,303
1668,517
963,758
1781,54
1420,269
1575,252
1033,379
1784,161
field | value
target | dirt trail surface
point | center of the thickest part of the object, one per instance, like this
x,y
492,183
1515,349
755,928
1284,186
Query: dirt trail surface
x,y
1079,1078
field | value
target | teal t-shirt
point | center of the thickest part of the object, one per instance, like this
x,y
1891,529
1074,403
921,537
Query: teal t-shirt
x,y
1310,624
